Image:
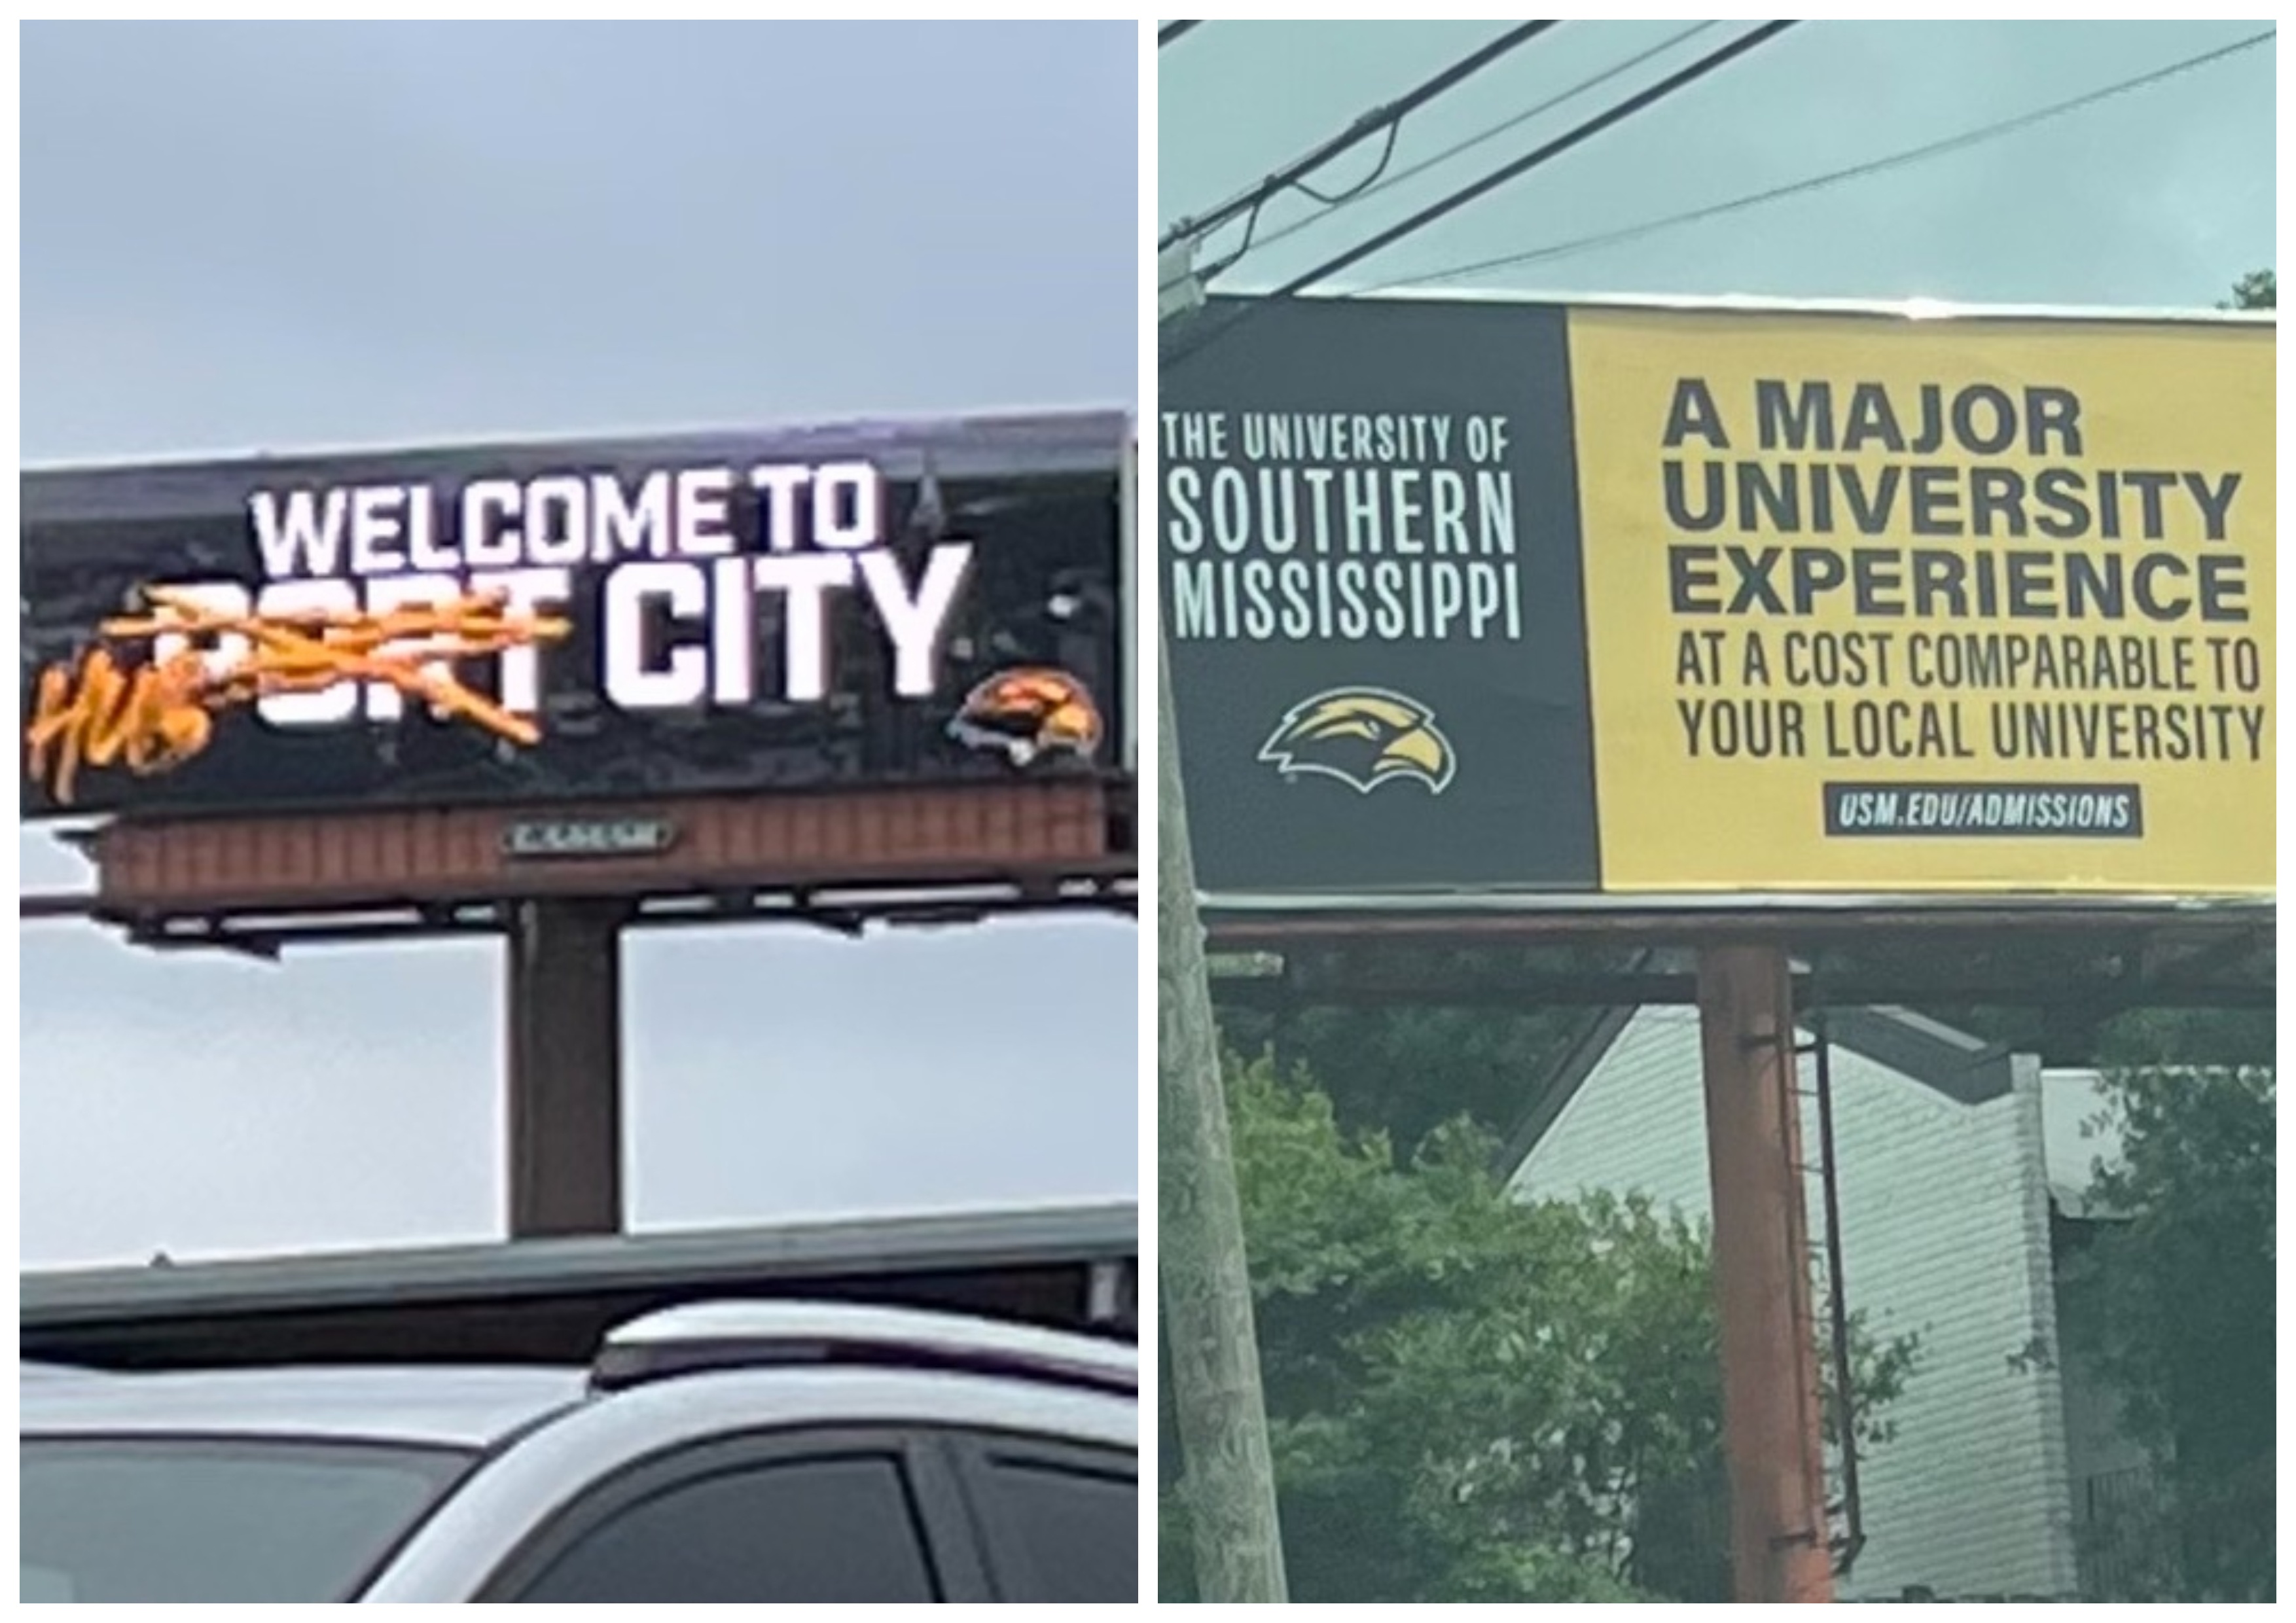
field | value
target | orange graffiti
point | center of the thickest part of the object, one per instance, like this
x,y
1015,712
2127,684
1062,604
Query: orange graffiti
x,y
98,711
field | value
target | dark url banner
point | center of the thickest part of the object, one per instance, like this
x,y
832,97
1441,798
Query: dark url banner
x,y
2055,811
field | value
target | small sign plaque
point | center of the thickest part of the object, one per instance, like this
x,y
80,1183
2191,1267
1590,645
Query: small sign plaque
x,y
532,838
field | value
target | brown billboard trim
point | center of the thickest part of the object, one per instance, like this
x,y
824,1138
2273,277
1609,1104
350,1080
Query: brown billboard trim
x,y
384,858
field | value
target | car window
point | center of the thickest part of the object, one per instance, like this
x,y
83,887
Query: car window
x,y
217,1519
824,1528
1077,1528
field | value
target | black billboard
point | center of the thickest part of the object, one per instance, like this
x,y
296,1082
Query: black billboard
x,y
1368,528
855,606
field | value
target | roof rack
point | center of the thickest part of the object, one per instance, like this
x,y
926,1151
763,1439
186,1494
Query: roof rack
x,y
703,1337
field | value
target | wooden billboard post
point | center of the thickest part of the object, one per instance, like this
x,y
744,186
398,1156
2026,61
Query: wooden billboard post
x,y
1772,1415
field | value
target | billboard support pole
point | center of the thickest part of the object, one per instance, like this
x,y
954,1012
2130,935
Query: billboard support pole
x,y
565,1063
1772,1415
1205,1304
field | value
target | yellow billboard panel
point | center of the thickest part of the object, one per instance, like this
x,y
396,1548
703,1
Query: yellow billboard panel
x,y
1964,605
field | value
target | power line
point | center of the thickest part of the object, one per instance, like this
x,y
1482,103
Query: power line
x,y
1363,187
1391,116
1254,197
1251,229
1171,31
1252,220
1639,102
1967,138
1494,131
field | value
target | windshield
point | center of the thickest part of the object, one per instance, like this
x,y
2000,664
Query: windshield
x,y
226,1519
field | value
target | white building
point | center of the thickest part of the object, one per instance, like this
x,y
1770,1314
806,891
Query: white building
x,y
1961,1171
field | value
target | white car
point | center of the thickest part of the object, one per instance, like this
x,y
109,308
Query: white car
x,y
718,1452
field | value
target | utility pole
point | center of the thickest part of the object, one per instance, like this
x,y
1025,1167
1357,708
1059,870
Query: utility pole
x,y
1229,1485
1205,1306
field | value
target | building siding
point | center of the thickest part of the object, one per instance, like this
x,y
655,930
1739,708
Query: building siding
x,y
1945,1234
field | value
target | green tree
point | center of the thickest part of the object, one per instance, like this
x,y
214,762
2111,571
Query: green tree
x,y
2182,1284
1405,1069
2254,291
2216,1038
1472,1397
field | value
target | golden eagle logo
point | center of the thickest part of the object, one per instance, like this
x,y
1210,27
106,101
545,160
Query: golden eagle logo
x,y
1028,713
1365,737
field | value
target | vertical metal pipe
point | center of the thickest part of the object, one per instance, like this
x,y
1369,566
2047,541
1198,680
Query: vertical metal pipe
x,y
1772,1418
564,1027
1838,1302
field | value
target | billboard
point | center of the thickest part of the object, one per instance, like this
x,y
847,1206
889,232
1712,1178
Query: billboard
x,y
1472,596
858,606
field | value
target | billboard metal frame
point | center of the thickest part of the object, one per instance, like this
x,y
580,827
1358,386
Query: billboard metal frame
x,y
933,852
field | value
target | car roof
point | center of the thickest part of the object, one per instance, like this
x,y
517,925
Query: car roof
x,y
417,1403
477,1406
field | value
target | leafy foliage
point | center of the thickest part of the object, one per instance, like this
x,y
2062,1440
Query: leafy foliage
x,y
2257,290
2134,1037
2215,1037
2182,1288
1407,1070
1470,1398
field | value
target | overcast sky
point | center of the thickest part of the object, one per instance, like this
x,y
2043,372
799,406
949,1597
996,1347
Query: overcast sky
x,y
238,238
2161,197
